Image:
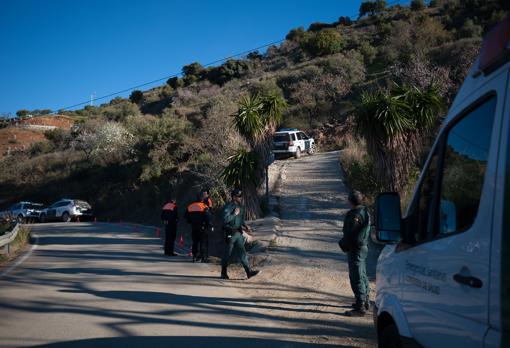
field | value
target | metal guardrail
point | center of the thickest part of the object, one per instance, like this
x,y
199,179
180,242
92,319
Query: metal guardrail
x,y
7,238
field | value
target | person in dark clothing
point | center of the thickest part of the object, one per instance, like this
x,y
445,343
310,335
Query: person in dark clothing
x,y
206,192
197,214
170,217
233,223
356,231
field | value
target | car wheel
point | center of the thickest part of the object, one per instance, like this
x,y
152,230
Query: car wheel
x,y
42,218
311,150
298,153
66,217
390,338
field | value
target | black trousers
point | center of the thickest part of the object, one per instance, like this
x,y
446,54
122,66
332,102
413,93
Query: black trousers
x,y
200,239
170,234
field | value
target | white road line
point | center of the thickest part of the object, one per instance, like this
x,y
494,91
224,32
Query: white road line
x,y
22,259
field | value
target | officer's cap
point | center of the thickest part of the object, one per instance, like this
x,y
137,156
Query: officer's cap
x,y
355,197
236,192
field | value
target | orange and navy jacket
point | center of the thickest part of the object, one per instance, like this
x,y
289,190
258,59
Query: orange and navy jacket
x,y
197,214
169,213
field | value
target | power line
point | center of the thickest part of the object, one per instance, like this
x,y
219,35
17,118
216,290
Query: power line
x,y
180,73
173,75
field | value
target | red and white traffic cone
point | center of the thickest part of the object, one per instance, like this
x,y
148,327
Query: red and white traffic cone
x,y
181,242
190,253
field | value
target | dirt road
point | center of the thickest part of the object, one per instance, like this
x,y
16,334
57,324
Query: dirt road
x,y
306,274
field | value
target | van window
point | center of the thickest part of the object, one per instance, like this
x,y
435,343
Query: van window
x,y
421,212
464,167
293,136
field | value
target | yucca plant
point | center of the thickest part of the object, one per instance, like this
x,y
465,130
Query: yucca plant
x,y
241,172
393,124
256,120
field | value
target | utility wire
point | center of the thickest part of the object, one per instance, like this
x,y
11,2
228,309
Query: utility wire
x,y
352,17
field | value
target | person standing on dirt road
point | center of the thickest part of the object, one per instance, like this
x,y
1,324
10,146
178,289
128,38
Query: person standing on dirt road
x,y
170,218
356,231
233,223
197,214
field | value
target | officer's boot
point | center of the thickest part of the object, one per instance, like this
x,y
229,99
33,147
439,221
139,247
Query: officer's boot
x,y
359,309
251,273
224,274
366,304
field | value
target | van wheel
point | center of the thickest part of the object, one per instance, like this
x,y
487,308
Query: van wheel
x,y
311,150
66,217
390,338
298,153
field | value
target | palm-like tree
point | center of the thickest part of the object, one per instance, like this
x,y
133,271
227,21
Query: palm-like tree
x,y
256,120
394,123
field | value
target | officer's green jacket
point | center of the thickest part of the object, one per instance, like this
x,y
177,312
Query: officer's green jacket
x,y
229,219
356,228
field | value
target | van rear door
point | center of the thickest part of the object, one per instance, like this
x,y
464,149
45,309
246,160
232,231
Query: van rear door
x,y
446,283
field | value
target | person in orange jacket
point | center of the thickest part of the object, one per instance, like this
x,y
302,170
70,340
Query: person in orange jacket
x,y
170,217
197,214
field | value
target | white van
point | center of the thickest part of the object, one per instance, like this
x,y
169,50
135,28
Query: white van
x,y
443,279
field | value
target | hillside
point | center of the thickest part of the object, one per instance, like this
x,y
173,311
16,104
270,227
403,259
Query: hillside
x,y
23,134
126,155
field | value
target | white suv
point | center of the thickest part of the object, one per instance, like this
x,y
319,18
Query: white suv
x,y
24,211
443,279
290,141
66,210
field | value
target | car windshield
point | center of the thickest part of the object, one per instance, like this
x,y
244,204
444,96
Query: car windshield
x,y
281,137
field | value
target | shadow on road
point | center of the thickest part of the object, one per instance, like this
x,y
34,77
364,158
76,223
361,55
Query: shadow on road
x,y
180,341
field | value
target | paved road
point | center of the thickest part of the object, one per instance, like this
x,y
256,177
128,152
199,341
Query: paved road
x,y
100,285
105,285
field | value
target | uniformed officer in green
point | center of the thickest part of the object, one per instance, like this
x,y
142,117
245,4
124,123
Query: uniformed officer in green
x,y
356,231
233,223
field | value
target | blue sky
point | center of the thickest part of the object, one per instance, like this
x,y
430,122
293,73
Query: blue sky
x,y
56,53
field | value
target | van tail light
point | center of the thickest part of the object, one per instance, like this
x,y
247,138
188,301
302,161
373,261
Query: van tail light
x,y
495,47
291,143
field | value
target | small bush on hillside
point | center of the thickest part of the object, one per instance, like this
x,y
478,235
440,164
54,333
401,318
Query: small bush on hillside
x,y
40,147
368,51
108,143
470,30
327,41
161,144
296,35
417,5
136,97
120,112
359,169
175,82
22,112
58,137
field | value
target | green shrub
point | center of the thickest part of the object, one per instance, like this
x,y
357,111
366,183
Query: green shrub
x,y
22,112
296,35
327,41
58,137
136,97
175,82
417,5
41,147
